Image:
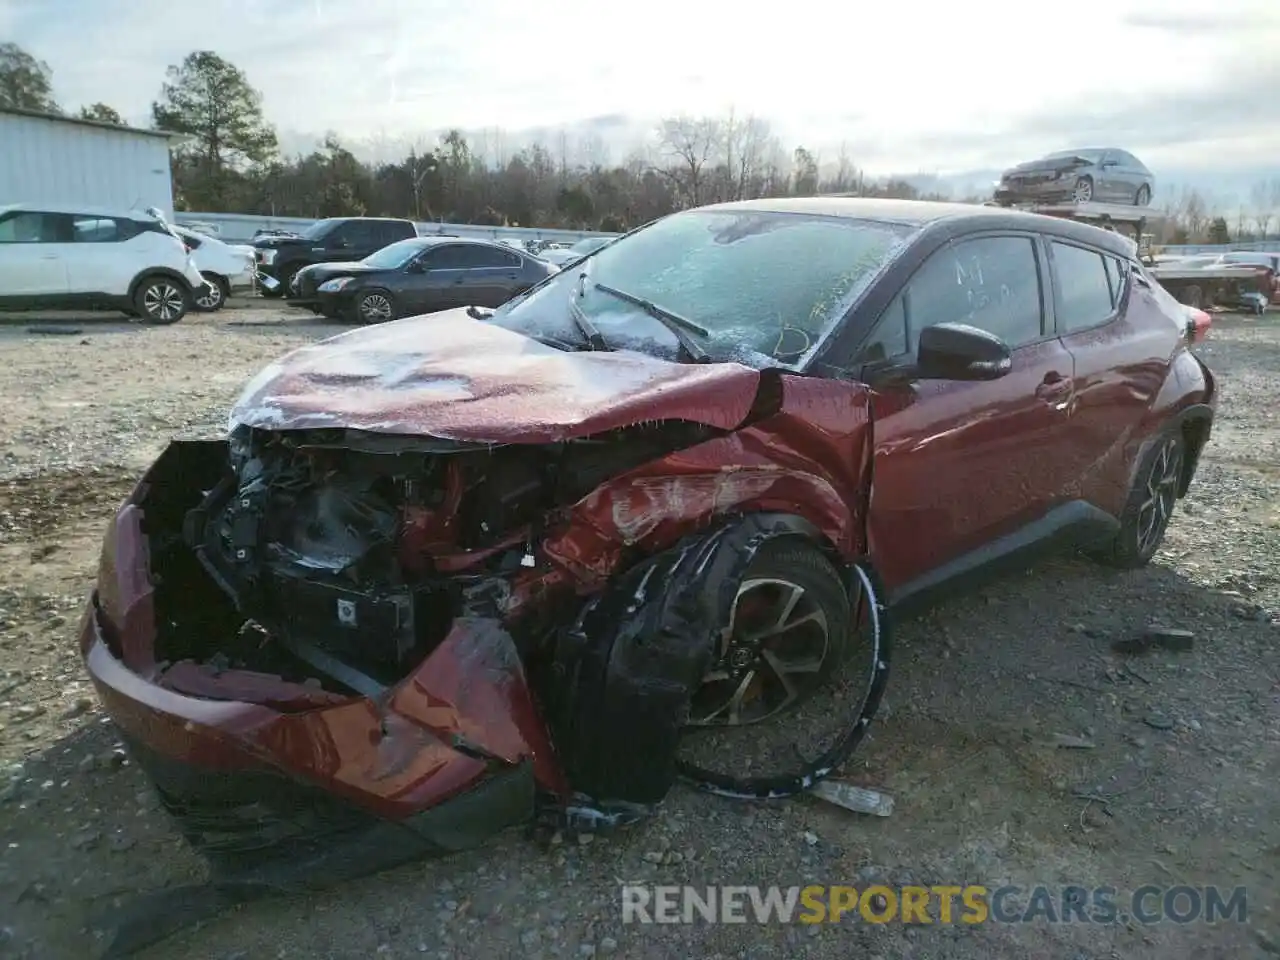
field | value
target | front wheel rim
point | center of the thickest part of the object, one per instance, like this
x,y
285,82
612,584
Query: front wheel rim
x,y
375,308
162,301
777,633
1083,192
1159,494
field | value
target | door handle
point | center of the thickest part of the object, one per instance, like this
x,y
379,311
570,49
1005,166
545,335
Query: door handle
x,y
459,282
49,256
1055,390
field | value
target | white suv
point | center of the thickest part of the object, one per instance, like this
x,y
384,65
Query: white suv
x,y
56,258
224,267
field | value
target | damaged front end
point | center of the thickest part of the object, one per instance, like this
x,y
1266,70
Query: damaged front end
x,y
337,649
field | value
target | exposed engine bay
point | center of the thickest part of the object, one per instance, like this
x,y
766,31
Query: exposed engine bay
x,y
355,552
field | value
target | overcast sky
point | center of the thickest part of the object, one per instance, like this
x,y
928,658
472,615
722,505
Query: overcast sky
x,y
908,86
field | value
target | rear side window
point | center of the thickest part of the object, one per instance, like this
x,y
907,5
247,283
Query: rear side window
x,y
481,256
89,229
1117,278
1084,295
394,230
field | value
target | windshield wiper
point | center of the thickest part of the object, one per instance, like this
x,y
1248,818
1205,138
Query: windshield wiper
x,y
679,326
595,339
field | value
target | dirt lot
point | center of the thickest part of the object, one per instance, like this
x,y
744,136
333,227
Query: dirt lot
x,y
1183,747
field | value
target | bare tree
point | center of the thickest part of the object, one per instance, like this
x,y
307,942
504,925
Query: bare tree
x,y
1261,204
1193,211
690,144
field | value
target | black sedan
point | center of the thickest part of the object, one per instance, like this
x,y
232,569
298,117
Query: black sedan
x,y
418,276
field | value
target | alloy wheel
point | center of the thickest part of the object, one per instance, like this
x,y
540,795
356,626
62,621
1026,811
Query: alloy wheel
x,y
1160,494
1083,191
163,301
771,655
375,308
211,299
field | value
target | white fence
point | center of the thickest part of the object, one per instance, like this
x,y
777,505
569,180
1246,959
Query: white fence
x,y
235,227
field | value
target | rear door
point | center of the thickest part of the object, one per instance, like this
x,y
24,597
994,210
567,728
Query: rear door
x,y
1121,343
491,277
960,465
33,260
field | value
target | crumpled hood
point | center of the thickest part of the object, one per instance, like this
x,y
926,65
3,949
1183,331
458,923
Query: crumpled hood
x,y
1059,165
446,375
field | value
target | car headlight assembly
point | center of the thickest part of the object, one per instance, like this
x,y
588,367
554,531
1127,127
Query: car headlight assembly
x,y
334,285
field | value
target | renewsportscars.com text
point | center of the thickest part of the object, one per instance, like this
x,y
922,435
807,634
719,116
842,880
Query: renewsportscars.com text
x,y
940,904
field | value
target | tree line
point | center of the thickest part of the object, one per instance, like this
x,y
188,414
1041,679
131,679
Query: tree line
x,y
230,162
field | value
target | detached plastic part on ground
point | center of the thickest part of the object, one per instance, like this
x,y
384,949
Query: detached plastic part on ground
x,y
336,649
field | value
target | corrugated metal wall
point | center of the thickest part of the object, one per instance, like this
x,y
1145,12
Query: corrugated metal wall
x,y
48,161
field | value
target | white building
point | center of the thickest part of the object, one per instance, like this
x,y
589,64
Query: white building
x,y
51,159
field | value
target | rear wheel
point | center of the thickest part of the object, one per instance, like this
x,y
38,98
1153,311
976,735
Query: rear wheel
x,y
375,306
214,296
1143,197
162,300
1150,504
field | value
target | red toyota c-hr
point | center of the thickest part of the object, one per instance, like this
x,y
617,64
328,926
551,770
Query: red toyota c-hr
x,y
452,570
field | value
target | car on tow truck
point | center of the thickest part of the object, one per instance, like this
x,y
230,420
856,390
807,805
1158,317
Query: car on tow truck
x,y
460,571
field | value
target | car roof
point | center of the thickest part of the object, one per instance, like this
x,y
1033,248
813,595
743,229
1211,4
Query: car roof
x,y
927,213
81,209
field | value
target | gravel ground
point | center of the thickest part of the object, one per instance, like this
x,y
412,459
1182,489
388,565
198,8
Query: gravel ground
x,y
1183,746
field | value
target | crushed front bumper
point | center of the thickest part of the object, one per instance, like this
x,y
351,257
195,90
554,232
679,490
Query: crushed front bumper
x,y
298,800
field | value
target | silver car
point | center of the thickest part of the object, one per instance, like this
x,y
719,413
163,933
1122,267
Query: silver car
x,y
1090,175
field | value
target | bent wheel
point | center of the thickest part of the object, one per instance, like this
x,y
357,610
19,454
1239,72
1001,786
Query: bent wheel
x,y
801,651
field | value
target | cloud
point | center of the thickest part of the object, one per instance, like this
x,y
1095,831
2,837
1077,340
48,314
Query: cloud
x,y
936,88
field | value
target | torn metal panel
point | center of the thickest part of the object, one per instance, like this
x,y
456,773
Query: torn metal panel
x,y
447,375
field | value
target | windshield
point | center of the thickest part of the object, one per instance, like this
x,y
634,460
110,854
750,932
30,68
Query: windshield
x,y
765,286
317,230
394,256
1093,156
587,244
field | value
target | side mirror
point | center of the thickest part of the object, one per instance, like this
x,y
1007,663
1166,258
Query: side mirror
x,y
957,351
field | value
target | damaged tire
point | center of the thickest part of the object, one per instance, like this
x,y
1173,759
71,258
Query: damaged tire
x,y
811,600
788,630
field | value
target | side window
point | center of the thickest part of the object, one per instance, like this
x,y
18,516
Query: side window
x,y
889,337
1083,294
88,229
361,234
392,231
446,258
992,283
1117,278
477,255
26,227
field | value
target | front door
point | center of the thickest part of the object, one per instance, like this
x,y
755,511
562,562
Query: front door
x,y
430,282
960,465
33,255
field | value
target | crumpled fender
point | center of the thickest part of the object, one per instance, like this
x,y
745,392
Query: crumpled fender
x,y
627,669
